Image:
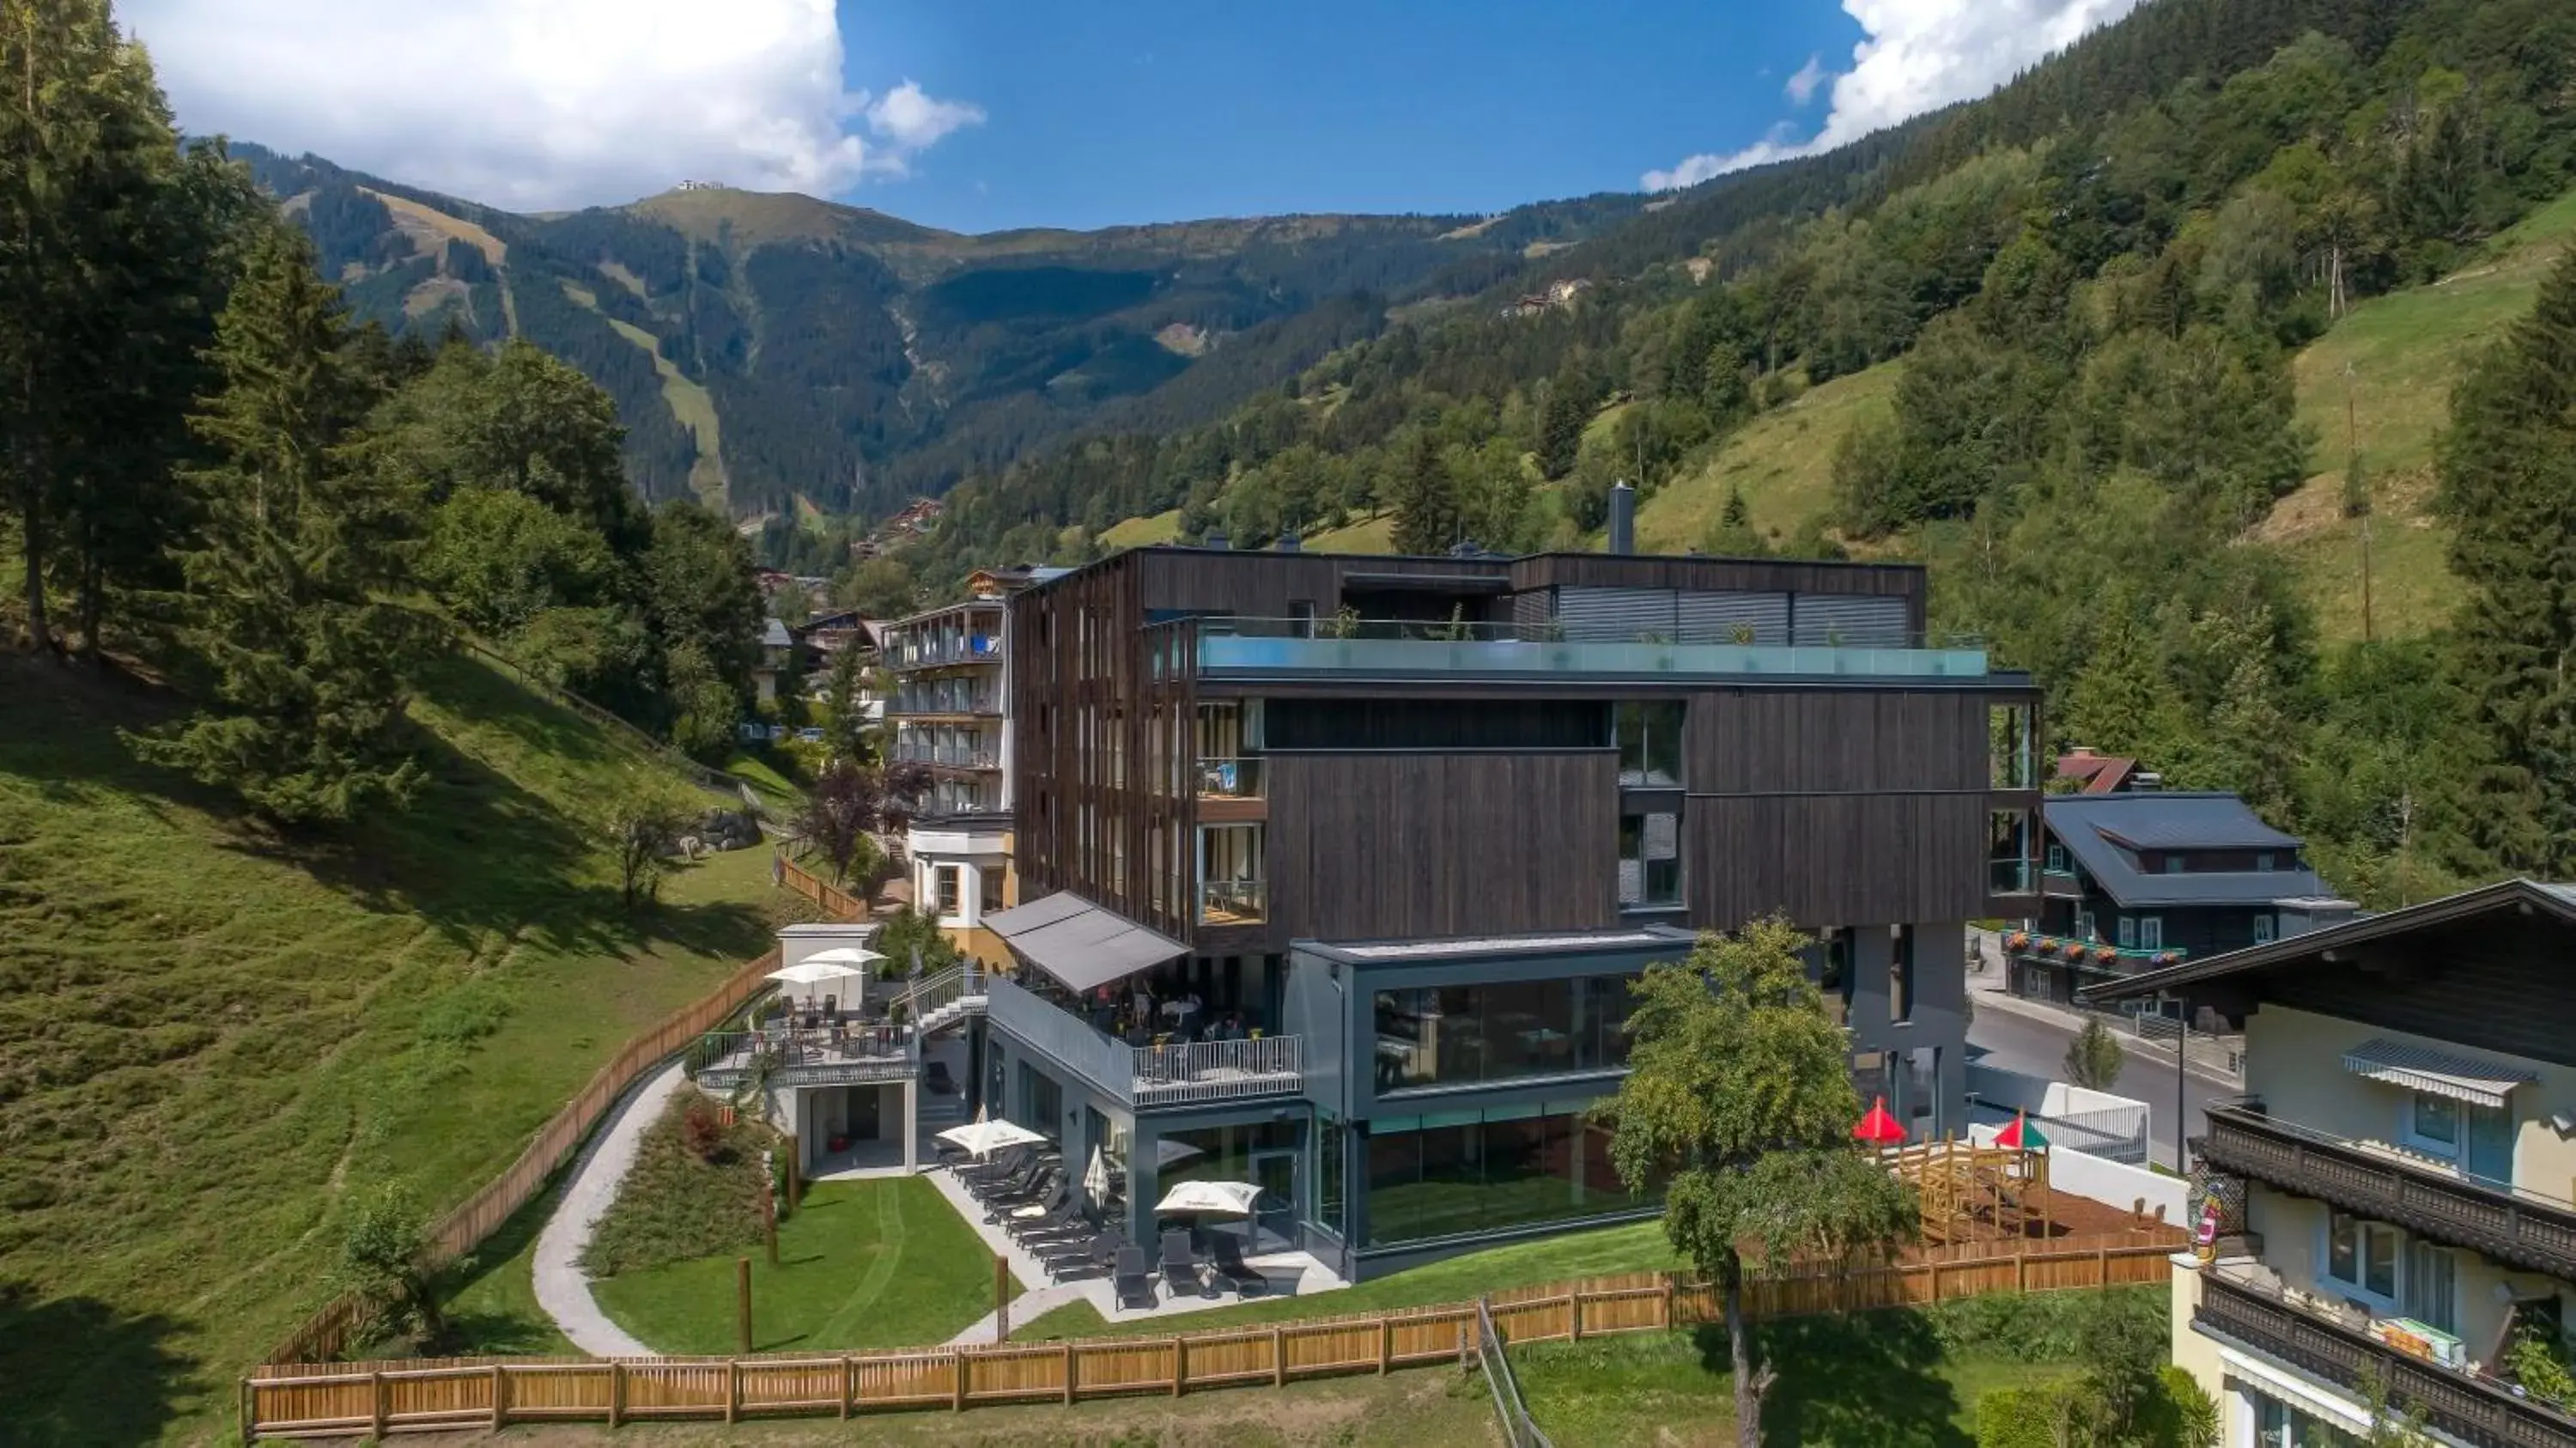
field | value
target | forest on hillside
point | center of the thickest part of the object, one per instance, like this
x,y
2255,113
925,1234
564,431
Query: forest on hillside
x,y
2096,280
211,477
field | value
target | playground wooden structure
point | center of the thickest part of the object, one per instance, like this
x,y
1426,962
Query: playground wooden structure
x,y
1972,1193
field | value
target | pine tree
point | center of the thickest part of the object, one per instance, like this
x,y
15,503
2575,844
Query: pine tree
x,y
2508,486
1426,500
86,149
303,665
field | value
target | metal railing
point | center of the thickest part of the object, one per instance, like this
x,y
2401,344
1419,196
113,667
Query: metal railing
x,y
804,1056
1234,902
945,649
1144,1075
1236,778
935,697
2467,1406
2512,1224
1213,1070
958,985
955,756
1520,1430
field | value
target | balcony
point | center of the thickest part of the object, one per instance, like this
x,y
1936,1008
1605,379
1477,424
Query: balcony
x,y
1234,902
1238,778
2060,885
1146,1076
2242,1307
2516,1227
1254,647
935,652
2087,955
946,697
801,1056
948,757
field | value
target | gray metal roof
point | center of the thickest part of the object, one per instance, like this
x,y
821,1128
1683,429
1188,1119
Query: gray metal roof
x,y
2102,832
1079,943
775,636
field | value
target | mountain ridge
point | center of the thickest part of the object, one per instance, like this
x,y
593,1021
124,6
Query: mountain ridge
x,y
850,359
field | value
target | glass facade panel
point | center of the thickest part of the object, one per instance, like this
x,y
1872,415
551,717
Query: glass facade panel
x,y
1649,735
1456,1173
1650,859
1471,1035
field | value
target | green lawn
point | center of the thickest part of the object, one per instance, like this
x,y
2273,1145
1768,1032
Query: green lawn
x,y
775,789
1871,1380
868,1264
1635,1247
1143,532
211,1037
492,1302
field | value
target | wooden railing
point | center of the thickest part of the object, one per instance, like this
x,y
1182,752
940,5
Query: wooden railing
x,y
2516,1227
327,1333
836,902
1520,1430
2463,1406
378,1398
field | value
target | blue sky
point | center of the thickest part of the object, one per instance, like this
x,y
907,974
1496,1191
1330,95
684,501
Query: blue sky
x,y
983,114
1097,113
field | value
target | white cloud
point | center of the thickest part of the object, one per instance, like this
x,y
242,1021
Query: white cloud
x,y
542,104
908,117
1917,55
1803,85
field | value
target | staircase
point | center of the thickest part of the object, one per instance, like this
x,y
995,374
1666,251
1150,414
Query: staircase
x,y
944,999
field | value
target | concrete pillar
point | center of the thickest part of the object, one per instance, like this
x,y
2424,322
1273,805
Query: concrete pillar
x,y
911,1126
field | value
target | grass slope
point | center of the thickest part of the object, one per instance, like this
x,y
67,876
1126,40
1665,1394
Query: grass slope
x,y
211,1038
2403,354
869,1264
1144,532
1783,461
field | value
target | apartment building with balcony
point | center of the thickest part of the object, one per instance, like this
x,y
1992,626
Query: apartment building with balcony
x,y
1337,868
949,709
2405,1161
2139,879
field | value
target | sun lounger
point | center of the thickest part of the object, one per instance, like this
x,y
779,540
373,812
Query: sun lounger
x,y
1180,1266
1226,1250
1130,1280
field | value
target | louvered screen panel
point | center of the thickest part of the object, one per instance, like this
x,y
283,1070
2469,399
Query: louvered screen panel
x,y
1616,615
1850,619
1714,618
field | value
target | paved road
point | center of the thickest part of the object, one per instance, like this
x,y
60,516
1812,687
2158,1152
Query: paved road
x,y
2038,1048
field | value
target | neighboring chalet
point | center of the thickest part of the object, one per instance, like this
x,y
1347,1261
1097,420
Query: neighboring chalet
x,y
1338,868
2398,1191
2134,880
778,654
951,714
2082,771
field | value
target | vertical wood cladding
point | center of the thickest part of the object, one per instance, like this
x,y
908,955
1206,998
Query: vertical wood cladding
x,y
1834,859
1742,741
1370,846
2494,981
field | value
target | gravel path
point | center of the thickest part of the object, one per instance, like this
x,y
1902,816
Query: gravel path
x,y
563,1289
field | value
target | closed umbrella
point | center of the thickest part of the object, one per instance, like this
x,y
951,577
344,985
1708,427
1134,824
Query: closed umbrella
x,y
1095,1178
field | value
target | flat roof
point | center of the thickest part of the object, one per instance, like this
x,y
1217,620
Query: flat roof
x,y
1576,942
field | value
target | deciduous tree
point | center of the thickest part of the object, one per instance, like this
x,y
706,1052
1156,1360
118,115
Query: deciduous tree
x,y
1739,1103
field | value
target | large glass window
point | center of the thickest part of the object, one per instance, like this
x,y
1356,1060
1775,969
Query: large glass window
x,y
1650,860
1331,1182
1650,743
1470,1034
2437,1123
1460,1172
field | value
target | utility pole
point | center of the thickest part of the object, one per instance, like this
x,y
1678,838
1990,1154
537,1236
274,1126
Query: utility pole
x,y
2182,1084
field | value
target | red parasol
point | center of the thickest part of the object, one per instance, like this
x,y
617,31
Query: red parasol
x,y
2021,1136
1878,1128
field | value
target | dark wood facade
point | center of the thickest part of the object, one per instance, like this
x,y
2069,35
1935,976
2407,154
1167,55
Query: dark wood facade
x,y
1402,846
1841,803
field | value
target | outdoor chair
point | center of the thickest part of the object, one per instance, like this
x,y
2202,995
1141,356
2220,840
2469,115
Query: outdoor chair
x,y
1133,1287
1081,1258
1181,1265
1063,1223
1000,1164
1226,1250
1038,1209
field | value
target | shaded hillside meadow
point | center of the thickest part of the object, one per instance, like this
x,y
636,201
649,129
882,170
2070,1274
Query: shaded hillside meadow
x,y
213,1038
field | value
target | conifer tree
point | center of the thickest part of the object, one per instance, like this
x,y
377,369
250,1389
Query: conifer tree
x,y
2508,486
303,665
1426,500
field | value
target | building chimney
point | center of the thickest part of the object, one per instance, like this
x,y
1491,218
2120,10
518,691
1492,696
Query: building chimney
x,y
1214,538
2145,782
1623,518
1289,541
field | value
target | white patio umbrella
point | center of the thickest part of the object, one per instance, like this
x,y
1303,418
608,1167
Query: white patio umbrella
x,y
845,955
1095,1177
1208,1199
984,1137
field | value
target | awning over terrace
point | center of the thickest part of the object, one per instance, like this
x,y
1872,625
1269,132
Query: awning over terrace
x,y
1079,943
2436,1073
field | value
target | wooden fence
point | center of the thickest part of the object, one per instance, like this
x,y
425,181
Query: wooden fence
x,y
836,902
394,1397
326,1334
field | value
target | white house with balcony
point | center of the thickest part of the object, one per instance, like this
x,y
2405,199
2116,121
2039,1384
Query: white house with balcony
x,y
2396,1195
